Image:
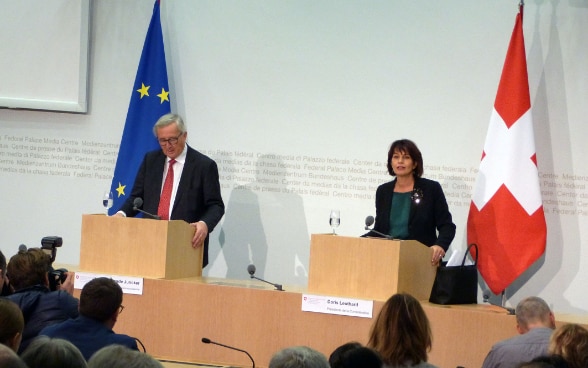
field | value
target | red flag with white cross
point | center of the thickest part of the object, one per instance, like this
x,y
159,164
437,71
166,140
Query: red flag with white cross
x,y
506,217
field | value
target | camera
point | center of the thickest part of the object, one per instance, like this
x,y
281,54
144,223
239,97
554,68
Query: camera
x,y
56,278
49,245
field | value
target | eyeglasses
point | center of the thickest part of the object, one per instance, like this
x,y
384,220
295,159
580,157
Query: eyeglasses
x,y
121,308
172,141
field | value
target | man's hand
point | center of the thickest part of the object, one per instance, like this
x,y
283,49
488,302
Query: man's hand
x,y
68,284
200,234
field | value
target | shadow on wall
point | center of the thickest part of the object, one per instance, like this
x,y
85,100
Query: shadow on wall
x,y
265,225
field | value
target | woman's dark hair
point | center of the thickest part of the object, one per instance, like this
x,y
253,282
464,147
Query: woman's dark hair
x,y
406,146
401,333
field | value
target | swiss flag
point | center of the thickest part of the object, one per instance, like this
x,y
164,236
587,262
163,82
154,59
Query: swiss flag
x,y
506,216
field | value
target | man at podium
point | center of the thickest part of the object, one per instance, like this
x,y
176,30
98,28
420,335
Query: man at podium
x,y
178,183
412,207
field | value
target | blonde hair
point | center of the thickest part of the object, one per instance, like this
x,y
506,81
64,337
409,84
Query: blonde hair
x,y
571,342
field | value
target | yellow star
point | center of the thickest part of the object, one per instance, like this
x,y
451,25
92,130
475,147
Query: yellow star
x,y
144,90
121,189
163,95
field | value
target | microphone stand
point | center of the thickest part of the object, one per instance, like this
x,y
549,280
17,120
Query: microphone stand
x,y
155,217
378,233
277,286
209,341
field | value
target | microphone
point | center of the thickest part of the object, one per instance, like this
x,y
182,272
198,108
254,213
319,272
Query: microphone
x,y
22,248
138,202
369,221
208,341
251,270
510,311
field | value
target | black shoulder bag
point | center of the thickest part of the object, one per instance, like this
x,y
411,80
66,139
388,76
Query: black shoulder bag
x,y
456,284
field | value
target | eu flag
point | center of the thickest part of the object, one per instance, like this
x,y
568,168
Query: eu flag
x,y
149,101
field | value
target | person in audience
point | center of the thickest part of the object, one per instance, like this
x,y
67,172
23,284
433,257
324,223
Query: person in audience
x,y
355,355
5,288
336,357
45,352
27,271
545,361
571,342
298,357
11,324
9,359
118,356
401,333
410,206
535,324
100,307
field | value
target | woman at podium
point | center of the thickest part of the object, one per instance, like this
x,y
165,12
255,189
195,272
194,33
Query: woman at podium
x,y
410,206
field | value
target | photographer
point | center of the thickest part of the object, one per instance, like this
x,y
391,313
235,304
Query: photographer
x,y
41,307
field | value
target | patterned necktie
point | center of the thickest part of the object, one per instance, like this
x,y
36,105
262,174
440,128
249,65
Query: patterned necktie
x,y
165,199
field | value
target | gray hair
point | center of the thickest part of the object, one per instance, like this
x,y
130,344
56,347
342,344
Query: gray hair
x,y
46,352
118,356
298,357
169,119
532,310
9,359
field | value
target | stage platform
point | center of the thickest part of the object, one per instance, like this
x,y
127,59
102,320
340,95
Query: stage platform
x,y
172,317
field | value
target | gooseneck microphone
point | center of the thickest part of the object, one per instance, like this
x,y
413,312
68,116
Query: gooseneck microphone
x,y
251,270
369,221
208,341
510,311
137,203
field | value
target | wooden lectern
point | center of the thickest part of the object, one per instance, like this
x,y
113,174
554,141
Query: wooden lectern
x,y
369,268
139,247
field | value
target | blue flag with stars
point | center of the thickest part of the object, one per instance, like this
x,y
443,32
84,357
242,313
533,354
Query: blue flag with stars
x,y
149,101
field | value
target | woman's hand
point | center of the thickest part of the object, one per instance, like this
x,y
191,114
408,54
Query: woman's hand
x,y
437,255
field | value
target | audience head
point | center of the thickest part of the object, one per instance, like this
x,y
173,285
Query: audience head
x,y
28,268
4,284
547,361
9,359
118,356
354,355
101,299
401,333
2,266
298,357
45,352
571,342
11,324
336,357
533,312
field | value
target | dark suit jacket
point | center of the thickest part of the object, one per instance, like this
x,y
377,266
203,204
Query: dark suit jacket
x,y
88,335
427,217
198,197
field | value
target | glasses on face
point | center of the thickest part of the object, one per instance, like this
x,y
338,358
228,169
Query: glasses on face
x,y
121,308
173,141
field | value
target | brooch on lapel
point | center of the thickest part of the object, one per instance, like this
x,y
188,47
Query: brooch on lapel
x,y
417,195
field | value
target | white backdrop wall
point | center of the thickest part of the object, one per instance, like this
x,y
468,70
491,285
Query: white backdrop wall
x,y
298,102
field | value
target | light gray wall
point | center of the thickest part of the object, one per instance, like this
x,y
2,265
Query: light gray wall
x,y
318,90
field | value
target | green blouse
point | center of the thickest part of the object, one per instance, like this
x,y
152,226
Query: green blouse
x,y
399,212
